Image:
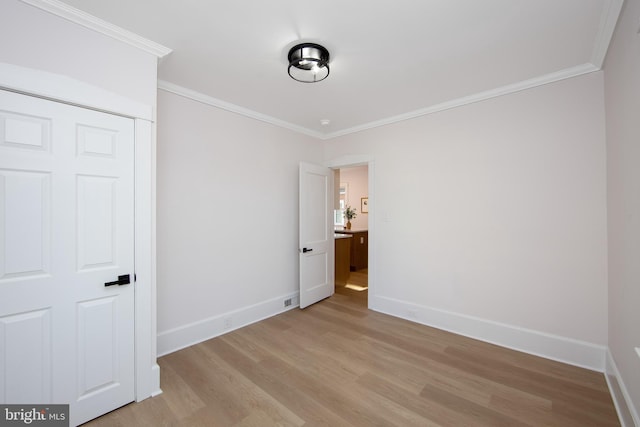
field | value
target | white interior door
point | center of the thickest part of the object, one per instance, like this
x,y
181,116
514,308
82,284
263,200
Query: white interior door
x,y
316,234
66,230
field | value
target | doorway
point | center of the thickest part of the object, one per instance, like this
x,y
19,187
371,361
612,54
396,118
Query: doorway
x,y
351,195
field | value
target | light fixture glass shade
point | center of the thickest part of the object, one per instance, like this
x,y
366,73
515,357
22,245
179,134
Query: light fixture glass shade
x,y
308,63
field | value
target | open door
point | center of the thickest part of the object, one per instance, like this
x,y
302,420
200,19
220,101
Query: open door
x,y
316,234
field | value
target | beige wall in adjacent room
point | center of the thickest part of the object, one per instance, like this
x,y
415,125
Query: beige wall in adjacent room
x,y
357,179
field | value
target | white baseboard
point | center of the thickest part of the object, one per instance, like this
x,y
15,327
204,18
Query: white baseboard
x,y
194,333
155,377
621,399
562,349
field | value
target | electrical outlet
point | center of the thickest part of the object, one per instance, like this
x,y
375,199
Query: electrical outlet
x,y
227,323
287,302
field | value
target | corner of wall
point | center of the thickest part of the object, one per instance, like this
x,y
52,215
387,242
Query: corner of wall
x,y
621,399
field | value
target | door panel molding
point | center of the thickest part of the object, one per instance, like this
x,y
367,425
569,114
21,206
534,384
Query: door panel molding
x,y
36,325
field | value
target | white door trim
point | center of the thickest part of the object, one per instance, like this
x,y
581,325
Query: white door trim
x,y
362,160
70,91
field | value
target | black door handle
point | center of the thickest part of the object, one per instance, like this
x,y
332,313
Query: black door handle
x,y
122,280
305,250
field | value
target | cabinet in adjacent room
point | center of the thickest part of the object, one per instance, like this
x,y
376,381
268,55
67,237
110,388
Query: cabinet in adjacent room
x,y
359,248
342,258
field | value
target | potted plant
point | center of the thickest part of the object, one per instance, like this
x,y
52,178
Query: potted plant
x,y
349,213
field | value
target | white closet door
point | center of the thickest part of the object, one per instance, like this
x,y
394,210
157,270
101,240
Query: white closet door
x,y
66,229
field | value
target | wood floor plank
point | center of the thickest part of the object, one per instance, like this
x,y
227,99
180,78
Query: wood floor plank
x,y
336,363
249,395
417,370
559,390
206,378
475,413
516,358
352,404
539,416
274,383
181,399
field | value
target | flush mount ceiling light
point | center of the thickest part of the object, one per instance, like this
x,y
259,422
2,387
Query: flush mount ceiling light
x,y
308,63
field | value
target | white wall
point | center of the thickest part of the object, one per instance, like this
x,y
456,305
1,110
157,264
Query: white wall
x,y
358,182
36,39
227,218
496,212
622,89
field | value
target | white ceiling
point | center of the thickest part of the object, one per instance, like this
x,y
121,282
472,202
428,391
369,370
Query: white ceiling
x,y
390,60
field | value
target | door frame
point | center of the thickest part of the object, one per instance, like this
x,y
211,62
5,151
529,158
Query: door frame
x,y
66,90
364,160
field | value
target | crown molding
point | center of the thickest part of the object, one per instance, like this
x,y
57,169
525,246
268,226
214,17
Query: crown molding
x,y
610,13
214,102
481,96
608,20
86,20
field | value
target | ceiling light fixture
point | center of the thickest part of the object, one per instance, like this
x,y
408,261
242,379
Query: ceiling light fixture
x,y
308,62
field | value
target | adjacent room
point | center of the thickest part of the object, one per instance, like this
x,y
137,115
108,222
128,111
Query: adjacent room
x,y
349,213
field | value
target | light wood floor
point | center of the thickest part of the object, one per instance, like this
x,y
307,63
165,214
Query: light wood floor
x,y
338,364
358,278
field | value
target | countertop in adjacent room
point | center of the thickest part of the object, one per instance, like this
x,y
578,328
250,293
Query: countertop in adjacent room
x,y
352,231
337,235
